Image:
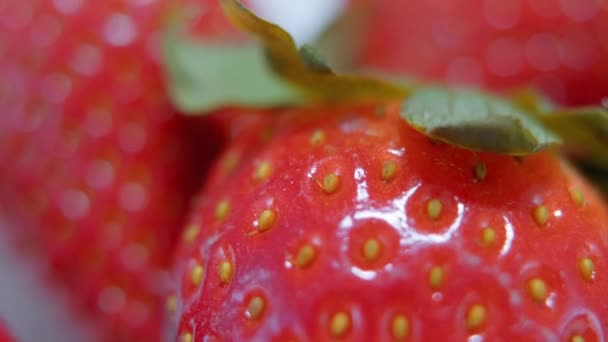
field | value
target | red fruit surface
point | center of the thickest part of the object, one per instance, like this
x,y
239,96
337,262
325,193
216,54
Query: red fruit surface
x,y
97,168
560,46
323,224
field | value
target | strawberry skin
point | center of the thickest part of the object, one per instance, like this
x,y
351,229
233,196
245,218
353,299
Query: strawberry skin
x,y
345,223
559,46
97,166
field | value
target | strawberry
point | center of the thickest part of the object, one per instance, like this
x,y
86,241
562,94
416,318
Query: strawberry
x,y
559,46
97,168
346,223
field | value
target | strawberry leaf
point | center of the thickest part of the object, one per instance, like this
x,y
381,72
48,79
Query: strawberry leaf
x,y
314,60
532,100
304,69
476,121
204,76
585,132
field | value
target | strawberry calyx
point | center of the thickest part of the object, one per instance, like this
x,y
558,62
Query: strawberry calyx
x,y
475,120
585,129
204,76
207,76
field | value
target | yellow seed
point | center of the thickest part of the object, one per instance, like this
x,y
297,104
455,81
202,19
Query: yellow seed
x,y
225,271
538,289
541,215
317,138
339,324
331,183
400,327
389,169
587,269
578,197
222,210
577,338
171,303
434,208
476,316
191,233
371,249
187,337
263,171
255,307
488,236
480,171
196,275
266,220
436,277
306,255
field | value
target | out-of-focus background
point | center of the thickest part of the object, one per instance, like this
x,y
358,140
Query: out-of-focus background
x,y
37,313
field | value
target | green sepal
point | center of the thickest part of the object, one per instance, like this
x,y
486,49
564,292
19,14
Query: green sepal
x,y
207,75
532,100
314,60
585,131
476,121
204,75
303,68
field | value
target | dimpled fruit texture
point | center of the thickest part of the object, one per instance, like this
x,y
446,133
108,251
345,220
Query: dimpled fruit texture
x,y
560,46
96,166
348,224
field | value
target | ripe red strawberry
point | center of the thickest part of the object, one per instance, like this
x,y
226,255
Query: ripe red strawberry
x,y
346,223
96,166
560,46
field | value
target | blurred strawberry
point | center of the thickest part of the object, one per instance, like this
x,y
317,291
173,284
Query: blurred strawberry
x,y
97,167
559,46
